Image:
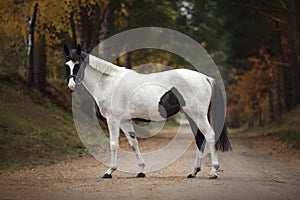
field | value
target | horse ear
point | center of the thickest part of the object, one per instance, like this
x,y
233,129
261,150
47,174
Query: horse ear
x,y
78,50
66,49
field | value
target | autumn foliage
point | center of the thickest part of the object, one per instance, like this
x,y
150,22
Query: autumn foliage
x,y
258,42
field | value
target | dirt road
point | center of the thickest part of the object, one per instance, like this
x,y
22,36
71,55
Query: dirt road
x,y
256,169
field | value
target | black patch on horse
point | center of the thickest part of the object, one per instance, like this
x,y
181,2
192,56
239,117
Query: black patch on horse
x,y
199,137
132,134
170,103
141,120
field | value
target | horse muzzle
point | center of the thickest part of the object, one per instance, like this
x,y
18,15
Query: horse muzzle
x,y
71,89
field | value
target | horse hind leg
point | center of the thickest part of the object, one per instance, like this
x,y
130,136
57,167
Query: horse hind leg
x,y
200,141
204,133
210,138
132,140
197,164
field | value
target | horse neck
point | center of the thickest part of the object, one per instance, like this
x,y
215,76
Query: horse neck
x,y
98,72
84,55
91,79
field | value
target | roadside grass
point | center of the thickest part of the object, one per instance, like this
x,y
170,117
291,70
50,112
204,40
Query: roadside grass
x,y
286,129
291,137
33,130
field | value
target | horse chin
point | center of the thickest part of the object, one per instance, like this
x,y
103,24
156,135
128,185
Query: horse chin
x,y
71,90
72,86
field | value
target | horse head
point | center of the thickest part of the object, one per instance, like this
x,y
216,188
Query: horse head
x,y
74,59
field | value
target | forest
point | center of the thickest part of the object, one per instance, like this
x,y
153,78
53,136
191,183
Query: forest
x,y
255,44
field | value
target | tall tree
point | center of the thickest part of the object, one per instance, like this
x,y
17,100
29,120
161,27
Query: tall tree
x,y
86,19
108,25
294,54
30,47
260,40
40,63
33,19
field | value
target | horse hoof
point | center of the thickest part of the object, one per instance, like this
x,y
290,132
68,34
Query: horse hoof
x,y
140,175
191,176
213,176
107,176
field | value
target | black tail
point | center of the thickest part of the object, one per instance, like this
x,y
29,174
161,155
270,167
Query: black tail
x,y
223,143
217,108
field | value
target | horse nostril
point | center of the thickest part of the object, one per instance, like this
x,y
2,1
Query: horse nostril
x,y
71,89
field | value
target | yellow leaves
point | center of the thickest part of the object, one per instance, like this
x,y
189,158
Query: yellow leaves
x,y
124,10
52,18
11,14
256,88
203,43
51,12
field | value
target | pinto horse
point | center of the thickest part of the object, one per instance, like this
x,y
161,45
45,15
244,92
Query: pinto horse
x,y
163,95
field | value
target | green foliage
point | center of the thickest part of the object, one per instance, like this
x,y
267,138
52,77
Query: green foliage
x,y
152,13
32,128
11,54
291,137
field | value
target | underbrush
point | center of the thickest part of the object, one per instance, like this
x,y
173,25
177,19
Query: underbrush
x,y
33,130
291,137
286,129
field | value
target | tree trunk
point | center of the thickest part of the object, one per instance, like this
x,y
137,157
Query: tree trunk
x,y
260,120
39,68
127,63
96,27
108,26
30,46
271,106
278,93
294,53
280,70
73,28
85,25
90,22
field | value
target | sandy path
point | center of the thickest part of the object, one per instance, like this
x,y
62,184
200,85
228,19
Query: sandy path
x,y
252,171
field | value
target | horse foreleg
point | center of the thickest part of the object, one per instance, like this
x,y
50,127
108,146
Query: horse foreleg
x,y
114,144
132,140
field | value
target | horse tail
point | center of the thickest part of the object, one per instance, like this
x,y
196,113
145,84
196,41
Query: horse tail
x,y
217,117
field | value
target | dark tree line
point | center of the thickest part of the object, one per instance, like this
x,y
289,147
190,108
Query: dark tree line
x,y
255,43
260,41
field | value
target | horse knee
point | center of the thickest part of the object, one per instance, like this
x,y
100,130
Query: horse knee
x,y
114,146
210,139
133,144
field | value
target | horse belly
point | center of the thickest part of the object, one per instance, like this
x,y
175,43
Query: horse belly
x,y
144,102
